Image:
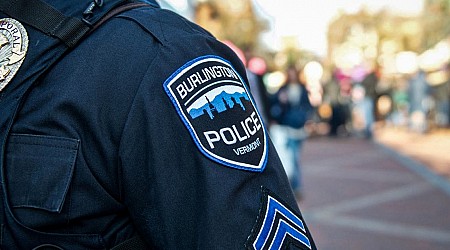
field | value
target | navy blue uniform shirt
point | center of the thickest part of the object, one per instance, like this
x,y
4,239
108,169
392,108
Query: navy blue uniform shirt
x,y
145,128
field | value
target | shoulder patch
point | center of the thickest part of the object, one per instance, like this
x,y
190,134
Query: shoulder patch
x,y
215,106
278,227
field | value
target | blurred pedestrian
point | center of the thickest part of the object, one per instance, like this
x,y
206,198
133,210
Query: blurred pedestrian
x,y
418,96
441,95
291,111
338,93
362,112
256,68
370,85
332,96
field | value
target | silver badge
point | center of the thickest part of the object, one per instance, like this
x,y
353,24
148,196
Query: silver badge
x,y
13,47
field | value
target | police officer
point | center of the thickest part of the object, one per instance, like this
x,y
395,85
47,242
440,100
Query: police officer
x,y
125,126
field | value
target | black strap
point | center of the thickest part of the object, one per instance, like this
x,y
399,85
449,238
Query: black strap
x,y
50,21
70,30
47,19
135,243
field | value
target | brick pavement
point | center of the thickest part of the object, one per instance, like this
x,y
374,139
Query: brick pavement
x,y
360,194
431,149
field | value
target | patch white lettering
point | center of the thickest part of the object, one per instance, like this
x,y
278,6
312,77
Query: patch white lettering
x,y
249,148
196,79
236,133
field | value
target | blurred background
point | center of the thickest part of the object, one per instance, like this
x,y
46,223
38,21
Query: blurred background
x,y
384,45
375,167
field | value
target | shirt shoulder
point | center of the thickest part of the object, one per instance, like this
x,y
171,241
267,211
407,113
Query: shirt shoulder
x,y
164,25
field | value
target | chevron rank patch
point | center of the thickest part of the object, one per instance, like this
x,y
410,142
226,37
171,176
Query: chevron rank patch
x,y
215,106
278,227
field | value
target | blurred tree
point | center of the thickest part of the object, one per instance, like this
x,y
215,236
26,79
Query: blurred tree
x,y
394,33
364,36
436,22
233,20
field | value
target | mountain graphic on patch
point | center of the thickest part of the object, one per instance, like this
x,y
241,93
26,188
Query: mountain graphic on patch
x,y
220,103
213,103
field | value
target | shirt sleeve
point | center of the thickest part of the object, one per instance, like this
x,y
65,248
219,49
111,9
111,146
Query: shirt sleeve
x,y
198,170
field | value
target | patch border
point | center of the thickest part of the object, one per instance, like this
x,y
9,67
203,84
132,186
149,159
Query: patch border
x,y
257,229
230,163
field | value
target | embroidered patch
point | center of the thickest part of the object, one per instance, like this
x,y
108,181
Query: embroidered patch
x,y
13,47
277,227
213,102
